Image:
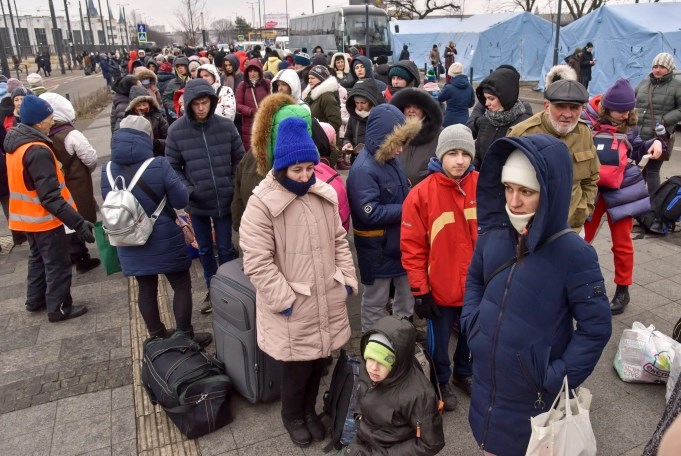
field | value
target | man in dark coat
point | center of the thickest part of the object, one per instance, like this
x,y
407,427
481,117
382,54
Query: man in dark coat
x,y
404,55
182,75
204,150
586,61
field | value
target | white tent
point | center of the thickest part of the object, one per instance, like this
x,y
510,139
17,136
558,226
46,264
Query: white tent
x,y
483,41
626,38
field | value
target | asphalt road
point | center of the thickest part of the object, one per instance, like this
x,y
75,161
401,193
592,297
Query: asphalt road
x,y
74,83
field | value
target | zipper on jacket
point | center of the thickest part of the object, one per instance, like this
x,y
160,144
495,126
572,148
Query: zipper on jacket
x,y
212,175
495,340
472,335
418,429
539,403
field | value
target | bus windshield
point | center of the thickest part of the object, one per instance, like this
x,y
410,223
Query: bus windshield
x,y
355,30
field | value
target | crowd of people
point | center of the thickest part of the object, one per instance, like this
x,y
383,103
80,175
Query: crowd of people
x,y
456,218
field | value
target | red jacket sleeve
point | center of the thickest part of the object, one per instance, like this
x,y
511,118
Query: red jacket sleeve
x,y
414,243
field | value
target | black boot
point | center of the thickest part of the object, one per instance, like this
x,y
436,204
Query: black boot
x,y
620,300
202,338
162,333
86,264
298,432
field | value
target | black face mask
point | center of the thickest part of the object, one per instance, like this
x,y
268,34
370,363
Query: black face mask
x,y
299,188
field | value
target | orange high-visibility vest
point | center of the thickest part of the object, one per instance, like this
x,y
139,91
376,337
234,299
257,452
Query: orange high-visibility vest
x,y
25,211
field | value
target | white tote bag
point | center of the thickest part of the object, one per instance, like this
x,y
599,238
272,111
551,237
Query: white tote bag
x,y
564,431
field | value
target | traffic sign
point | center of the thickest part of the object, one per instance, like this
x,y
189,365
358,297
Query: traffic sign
x,y
142,37
142,28
240,37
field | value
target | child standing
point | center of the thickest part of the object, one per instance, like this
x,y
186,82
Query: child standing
x,y
439,230
399,407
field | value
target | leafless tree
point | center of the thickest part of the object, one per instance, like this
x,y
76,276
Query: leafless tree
x,y
524,5
579,8
188,16
409,8
224,29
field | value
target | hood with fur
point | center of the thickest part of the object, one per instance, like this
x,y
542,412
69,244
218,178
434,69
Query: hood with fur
x,y
138,95
273,109
144,73
558,72
329,85
387,129
433,114
290,77
346,69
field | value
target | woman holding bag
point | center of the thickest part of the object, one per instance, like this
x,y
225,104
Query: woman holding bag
x,y
165,252
529,279
615,112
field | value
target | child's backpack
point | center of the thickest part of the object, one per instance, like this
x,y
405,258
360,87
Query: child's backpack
x,y
426,364
665,209
123,217
341,401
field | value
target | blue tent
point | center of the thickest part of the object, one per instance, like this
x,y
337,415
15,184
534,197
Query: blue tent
x,y
483,41
626,38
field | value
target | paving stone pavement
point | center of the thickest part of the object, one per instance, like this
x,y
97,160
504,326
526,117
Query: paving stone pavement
x,y
72,388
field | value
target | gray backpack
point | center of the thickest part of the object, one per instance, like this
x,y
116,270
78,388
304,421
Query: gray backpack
x,y
123,217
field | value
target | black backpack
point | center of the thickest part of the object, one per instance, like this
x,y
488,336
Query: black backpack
x,y
665,208
187,383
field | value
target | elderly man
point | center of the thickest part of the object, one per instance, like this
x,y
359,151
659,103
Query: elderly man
x,y
563,104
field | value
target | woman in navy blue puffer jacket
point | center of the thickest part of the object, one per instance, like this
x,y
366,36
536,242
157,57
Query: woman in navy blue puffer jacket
x,y
165,252
520,325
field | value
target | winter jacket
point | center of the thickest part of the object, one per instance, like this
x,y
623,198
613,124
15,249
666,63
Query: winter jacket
x,y
121,92
205,155
412,69
459,96
234,79
173,86
366,88
369,71
381,73
40,173
248,98
404,54
272,64
165,251
399,416
164,78
324,102
585,164
290,77
377,187
631,199
344,78
666,101
439,230
572,61
297,258
329,175
585,65
159,125
520,326
505,85
434,56
416,155
226,106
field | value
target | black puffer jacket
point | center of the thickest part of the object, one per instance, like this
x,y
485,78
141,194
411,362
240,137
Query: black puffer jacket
x,y
159,124
205,154
40,173
505,85
393,410
121,89
354,132
416,155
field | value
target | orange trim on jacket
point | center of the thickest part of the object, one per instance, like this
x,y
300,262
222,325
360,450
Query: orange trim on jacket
x,y
26,213
438,235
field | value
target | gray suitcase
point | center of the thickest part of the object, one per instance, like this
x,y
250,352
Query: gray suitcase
x,y
254,374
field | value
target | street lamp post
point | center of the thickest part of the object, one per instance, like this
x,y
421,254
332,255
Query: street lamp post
x,y
3,53
127,29
56,36
82,26
555,47
101,19
68,24
14,30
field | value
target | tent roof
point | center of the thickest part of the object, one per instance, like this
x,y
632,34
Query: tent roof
x,y
477,23
659,17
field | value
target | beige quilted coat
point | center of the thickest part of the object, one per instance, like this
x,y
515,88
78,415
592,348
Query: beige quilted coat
x,y
296,254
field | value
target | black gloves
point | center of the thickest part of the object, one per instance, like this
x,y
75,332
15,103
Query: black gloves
x,y
84,232
425,307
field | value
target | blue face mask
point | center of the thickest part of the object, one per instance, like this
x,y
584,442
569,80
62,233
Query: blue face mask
x,y
146,82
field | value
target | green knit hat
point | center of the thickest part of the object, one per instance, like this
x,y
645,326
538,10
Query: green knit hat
x,y
380,350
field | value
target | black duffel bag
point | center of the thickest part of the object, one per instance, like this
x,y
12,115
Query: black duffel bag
x,y
189,384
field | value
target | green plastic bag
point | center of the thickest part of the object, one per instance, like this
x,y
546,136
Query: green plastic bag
x,y
107,253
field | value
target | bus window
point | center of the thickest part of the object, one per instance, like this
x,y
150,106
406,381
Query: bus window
x,y
355,29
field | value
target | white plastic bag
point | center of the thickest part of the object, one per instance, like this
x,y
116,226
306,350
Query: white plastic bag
x,y
644,355
674,372
564,431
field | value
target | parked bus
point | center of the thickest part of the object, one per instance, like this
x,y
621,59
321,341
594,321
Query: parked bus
x,y
337,29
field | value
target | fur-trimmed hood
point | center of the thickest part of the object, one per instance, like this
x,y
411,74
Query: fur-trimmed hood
x,y
387,129
346,69
432,122
143,74
273,109
558,72
329,85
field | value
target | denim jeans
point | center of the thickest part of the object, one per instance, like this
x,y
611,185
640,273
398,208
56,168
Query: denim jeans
x,y
204,237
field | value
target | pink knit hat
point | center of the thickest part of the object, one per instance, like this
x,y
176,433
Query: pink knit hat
x,y
330,132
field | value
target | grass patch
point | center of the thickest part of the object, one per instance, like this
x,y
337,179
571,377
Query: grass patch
x,y
88,107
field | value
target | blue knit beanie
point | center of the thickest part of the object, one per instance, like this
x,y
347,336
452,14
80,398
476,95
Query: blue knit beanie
x,y
34,110
294,144
301,59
